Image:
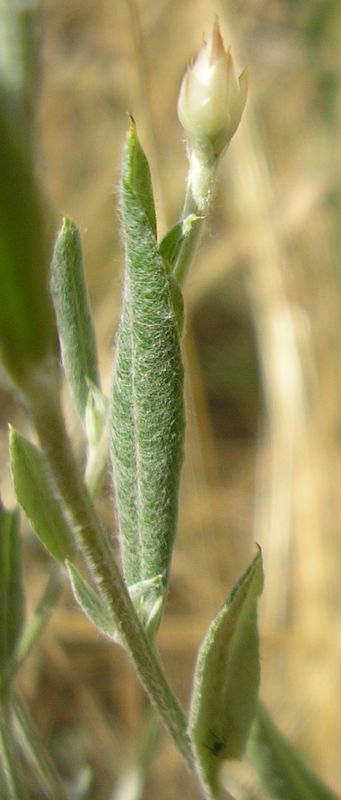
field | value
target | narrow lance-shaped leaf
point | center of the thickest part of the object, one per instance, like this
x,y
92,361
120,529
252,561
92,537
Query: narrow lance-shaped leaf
x,y
226,679
282,772
74,321
11,588
147,405
37,495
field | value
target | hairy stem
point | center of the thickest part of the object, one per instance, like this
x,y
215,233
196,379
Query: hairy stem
x,y
44,406
198,198
190,242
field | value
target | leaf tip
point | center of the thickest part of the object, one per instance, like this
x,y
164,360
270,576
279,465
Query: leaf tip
x,y
67,223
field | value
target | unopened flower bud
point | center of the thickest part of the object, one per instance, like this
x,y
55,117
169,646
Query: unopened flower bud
x,y
211,99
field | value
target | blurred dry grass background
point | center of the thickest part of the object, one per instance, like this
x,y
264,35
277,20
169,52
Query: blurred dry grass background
x,y
262,348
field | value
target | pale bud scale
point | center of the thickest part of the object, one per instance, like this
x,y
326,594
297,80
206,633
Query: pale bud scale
x,y
211,99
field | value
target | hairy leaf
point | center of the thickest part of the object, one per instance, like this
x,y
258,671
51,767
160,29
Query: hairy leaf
x,y
176,238
226,678
147,402
171,243
74,321
38,496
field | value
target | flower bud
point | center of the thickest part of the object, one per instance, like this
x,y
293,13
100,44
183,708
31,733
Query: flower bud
x,y
211,99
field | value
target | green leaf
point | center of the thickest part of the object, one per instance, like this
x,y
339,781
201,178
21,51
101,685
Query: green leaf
x,y
226,679
11,588
74,321
147,403
173,241
284,776
27,332
39,498
170,245
92,605
136,177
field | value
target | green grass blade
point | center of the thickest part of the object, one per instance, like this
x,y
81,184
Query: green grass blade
x,y
226,679
11,589
74,321
283,774
10,763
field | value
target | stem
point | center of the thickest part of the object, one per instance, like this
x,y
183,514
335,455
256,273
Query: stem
x,y
197,202
8,759
44,405
189,245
